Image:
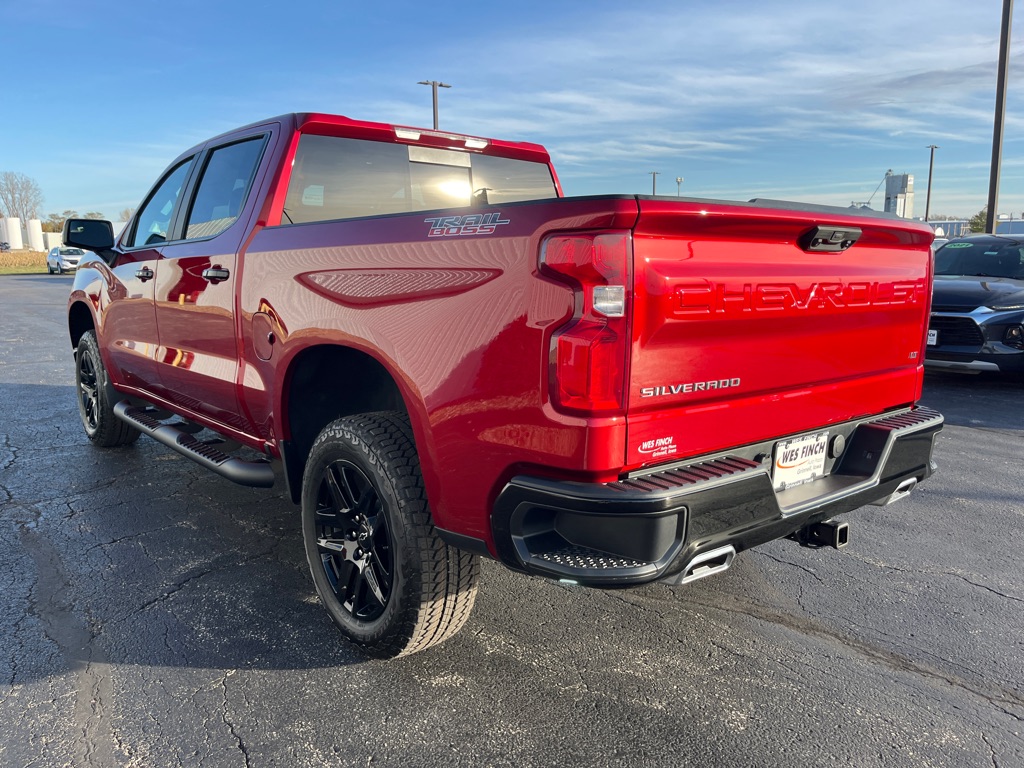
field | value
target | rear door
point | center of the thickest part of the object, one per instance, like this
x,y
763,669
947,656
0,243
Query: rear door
x,y
195,285
751,323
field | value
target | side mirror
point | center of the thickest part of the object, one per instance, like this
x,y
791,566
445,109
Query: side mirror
x,y
91,234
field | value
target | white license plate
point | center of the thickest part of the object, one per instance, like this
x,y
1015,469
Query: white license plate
x,y
799,460
933,338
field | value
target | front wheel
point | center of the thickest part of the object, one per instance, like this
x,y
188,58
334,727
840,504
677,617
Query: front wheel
x,y
389,582
95,397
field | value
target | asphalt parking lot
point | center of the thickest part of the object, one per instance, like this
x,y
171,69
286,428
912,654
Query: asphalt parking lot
x,y
152,614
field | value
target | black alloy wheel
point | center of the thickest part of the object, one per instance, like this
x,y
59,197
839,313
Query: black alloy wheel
x,y
387,579
88,393
95,398
354,541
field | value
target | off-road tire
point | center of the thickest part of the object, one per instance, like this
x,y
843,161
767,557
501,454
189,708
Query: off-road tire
x,y
432,585
96,398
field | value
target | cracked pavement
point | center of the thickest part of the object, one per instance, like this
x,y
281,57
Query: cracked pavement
x,y
156,615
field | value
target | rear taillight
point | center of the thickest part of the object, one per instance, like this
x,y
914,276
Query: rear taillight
x,y
589,353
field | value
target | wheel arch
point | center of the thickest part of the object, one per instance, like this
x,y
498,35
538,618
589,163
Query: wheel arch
x,y
326,382
80,320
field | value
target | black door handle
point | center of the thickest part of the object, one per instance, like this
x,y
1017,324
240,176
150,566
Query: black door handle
x,y
144,274
216,274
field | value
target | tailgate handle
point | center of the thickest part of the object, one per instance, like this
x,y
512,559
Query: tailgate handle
x,y
829,238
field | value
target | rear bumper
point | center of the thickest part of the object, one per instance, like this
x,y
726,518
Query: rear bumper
x,y
655,525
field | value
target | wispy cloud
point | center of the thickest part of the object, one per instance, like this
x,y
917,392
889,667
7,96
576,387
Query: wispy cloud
x,y
807,99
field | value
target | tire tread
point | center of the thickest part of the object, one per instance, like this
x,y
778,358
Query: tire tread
x,y
111,431
443,589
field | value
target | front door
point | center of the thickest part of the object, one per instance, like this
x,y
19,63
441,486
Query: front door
x,y
129,333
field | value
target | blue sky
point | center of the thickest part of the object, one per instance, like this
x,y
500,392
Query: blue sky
x,y
804,100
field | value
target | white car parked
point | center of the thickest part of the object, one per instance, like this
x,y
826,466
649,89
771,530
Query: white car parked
x,y
63,259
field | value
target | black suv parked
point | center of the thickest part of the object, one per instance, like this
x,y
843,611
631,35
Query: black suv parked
x,y
977,321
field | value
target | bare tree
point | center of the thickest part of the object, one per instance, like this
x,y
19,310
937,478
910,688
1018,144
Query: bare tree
x,y
20,196
94,215
126,214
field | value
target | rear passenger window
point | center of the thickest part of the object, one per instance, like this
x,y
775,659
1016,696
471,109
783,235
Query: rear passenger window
x,y
223,188
336,178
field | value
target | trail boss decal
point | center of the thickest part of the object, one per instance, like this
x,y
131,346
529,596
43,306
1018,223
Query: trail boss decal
x,y
471,224
688,388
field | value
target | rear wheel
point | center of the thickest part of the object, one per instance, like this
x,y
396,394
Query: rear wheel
x,y
387,579
95,398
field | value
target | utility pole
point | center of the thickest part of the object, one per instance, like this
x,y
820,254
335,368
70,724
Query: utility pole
x,y
679,186
997,129
931,167
434,85
654,181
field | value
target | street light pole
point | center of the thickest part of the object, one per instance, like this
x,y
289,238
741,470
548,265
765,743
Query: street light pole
x,y
654,181
931,167
679,185
434,85
997,129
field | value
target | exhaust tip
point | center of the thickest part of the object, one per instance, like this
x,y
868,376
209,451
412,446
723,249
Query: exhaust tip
x,y
902,491
704,564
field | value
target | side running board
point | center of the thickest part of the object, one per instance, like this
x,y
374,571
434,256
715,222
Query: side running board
x,y
256,473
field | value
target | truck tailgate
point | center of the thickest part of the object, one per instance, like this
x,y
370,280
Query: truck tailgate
x,y
743,331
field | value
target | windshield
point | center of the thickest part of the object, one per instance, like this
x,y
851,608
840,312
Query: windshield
x,y
71,252
981,259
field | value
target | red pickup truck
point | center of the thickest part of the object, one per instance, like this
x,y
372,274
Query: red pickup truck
x,y
444,358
